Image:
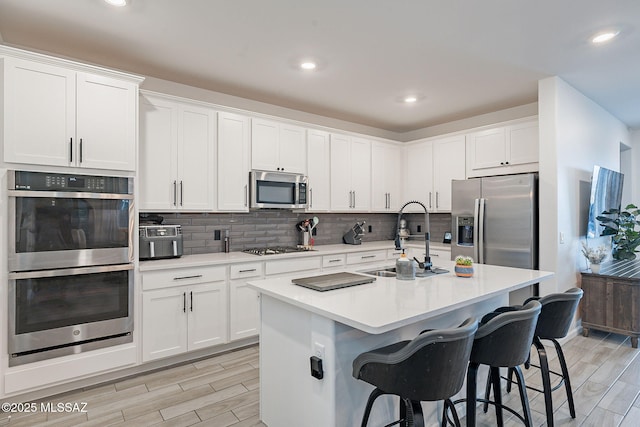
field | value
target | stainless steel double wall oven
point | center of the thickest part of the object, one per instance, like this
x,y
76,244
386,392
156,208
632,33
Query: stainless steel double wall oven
x,y
70,264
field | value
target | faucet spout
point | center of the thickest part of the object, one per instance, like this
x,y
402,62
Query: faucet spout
x,y
398,243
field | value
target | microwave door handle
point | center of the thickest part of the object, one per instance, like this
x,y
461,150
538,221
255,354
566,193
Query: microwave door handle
x,y
152,249
175,247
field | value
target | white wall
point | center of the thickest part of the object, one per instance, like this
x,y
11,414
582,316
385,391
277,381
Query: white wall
x,y
632,174
575,134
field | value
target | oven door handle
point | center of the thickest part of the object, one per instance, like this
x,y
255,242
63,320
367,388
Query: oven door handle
x,y
69,271
69,195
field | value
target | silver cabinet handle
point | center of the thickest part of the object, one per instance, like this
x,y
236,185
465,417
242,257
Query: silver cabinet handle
x,y
437,201
249,270
70,150
196,276
367,256
311,198
80,155
181,194
354,199
184,302
246,201
429,199
191,297
335,260
175,193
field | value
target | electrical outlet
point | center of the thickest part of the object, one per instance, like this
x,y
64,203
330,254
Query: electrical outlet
x,y
419,229
216,235
371,229
318,350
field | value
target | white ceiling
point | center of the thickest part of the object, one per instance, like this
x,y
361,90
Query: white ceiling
x,y
463,57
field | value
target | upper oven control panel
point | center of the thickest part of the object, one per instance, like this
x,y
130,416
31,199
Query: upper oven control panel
x,y
45,181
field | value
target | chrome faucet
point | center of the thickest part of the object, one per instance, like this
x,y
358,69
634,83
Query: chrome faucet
x,y
427,257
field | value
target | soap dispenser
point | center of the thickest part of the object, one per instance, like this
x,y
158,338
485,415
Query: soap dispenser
x,y
405,268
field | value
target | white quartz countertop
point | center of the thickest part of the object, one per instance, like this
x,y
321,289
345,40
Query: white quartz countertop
x,y
388,303
240,257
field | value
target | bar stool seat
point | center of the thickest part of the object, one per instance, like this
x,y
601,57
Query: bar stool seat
x,y
558,312
430,367
503,340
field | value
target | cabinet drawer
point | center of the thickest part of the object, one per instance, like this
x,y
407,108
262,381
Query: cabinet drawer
x,y
181,276
239,271
333,260
372,256
290,265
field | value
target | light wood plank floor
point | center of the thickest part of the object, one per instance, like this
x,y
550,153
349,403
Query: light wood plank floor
x,y
223,391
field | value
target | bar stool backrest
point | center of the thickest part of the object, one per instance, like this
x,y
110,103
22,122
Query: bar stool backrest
x,y
558,311
504,338
430,367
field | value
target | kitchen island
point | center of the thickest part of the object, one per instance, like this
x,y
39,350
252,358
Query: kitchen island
x,y
338,325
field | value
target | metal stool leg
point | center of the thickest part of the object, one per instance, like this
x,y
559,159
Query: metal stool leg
x,y
546,380
472,373
497,394
523,396
367,410
565,377
449,406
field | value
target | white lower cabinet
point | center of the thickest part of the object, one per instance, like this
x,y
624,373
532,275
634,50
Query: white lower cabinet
x,y
244,302
181,318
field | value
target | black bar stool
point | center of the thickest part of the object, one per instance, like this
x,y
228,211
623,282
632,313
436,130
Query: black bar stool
x,y
558,312
503,340
430,367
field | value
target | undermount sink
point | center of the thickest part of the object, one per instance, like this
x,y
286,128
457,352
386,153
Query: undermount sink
x,y
382,272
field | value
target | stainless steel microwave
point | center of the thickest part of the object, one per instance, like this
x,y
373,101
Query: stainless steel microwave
x,y
279,190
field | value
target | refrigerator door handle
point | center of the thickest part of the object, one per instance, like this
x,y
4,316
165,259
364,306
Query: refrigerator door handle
x,y
481,231
476,222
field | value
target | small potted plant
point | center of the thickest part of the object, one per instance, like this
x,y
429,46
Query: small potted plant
x,y
595,256
464,266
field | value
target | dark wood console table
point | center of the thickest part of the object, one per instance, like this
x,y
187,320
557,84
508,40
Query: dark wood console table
x,y
611,299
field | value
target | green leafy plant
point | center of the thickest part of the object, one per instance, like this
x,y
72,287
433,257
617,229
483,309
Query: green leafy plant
x,y
464,260
621,226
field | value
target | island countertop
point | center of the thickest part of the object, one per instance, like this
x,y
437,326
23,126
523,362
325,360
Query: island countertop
x,y
388,303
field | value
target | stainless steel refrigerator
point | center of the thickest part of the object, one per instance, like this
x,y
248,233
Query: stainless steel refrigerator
x,y
495,221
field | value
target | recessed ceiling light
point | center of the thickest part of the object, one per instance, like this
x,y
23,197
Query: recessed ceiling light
x,y
410,99
118,3
308,65
604,37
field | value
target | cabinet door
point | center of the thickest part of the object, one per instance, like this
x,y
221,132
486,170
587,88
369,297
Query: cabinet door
x,y
341,191
244,306
419,176
448,164
360,158
522,143
164,323
106,122
292,149
385,177
233,162
207,314
196,155
319,170
39,113
158,154
486,149
264,145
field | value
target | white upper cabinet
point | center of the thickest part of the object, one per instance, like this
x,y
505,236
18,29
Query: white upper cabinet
x,y
350,173
278,146
386,160
233,162
177,155
503,150
57,116
319,171
448,164
430,167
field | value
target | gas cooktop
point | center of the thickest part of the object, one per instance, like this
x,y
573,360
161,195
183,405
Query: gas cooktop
x,y
274,250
